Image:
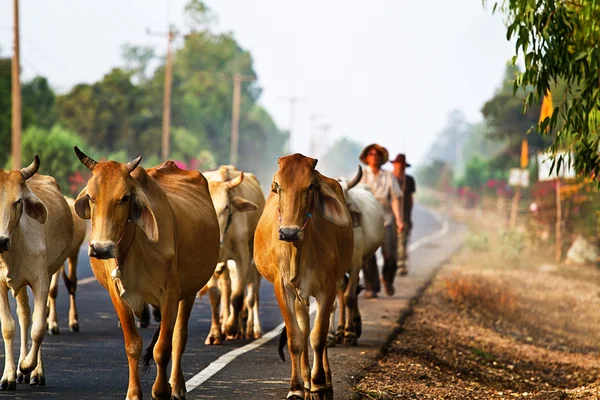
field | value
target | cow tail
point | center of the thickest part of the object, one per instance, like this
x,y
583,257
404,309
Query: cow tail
x,y
282,342
68,283
148,355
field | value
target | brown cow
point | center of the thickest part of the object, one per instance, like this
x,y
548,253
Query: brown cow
x,y
35,233
70,278
303,245
154,240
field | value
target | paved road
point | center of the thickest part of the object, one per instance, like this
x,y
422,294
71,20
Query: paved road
x,y
92,364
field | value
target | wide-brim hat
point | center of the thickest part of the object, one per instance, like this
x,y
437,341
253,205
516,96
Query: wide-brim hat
x,y
385,156
400,158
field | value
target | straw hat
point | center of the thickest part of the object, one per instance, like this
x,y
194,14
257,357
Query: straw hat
x,y
380,149
400,158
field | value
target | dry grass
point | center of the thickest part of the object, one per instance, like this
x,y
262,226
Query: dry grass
x,y
499,322
480,293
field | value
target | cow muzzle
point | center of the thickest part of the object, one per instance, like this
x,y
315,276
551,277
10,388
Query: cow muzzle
x,y
4,244
290,234
102,251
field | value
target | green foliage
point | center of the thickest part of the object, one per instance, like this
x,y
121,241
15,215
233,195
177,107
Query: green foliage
x,y
478,242
560,42
437,175
341,160
55,149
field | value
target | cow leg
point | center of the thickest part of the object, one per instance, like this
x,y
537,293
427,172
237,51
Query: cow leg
x,y
342,287
321,386
38,377
71,284
238,283
225,288
295,339
304,322
164,345
9,376
253,328
180,337
133,343
52,322
350,298
215,335
331,339
24,315
40,289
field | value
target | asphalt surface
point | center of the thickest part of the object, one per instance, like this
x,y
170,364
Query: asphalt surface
x,y
92,364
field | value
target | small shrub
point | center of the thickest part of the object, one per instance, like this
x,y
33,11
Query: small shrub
x,y
478,242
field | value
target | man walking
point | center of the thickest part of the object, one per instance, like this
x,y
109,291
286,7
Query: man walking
x,y
408,186
387,191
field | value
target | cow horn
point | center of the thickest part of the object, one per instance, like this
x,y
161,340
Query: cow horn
x,y
85,159
131,165
235,182
29,171
354,181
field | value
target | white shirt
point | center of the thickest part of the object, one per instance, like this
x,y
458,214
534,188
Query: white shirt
x,y
385,187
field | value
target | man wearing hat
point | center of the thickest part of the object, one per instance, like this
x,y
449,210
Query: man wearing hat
x,y
385,187
409,187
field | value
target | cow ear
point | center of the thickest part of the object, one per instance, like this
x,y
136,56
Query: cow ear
x,y
34,207
243,205
82,205
331,207
143,217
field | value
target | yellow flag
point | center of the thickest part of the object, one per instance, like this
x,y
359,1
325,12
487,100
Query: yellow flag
x,y
524,154
547,108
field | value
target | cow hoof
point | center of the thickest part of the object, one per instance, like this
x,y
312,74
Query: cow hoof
x,y
322,394
257,335
350,340
8,385
357,326
38,380
156,314
143,324
175,397
212,341
23,378
74,327
54,330
237,336
331,340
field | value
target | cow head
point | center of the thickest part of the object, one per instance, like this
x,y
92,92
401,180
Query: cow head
x,y
112,199
16,197
227,203
301,193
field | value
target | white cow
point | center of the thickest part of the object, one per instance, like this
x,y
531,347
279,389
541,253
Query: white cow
x,y
367,222
70,278
239,201
36,229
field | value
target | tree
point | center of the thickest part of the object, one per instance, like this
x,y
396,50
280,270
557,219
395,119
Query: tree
x,y
39,102
341,159
560,42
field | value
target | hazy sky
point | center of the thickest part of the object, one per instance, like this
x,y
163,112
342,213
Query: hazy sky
x,y
386,71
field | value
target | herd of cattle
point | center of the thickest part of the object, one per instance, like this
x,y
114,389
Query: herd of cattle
x,y
164,236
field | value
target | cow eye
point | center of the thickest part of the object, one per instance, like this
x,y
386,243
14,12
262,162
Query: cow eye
x,y
124,199
17,203
275,188
310,187
91,199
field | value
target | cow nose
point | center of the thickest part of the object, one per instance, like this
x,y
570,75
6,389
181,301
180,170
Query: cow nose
x,y
101,252
289,234
4,244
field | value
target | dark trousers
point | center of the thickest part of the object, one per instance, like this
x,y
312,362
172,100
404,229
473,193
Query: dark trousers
x,y
390,253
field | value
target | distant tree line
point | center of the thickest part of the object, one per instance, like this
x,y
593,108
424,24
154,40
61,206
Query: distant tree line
x,y
120,116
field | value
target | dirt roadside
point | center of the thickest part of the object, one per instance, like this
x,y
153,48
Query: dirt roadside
x,y
497,322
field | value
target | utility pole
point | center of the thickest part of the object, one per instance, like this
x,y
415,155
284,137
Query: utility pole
x,y
235,116
16,92
293,101
313,134
166,122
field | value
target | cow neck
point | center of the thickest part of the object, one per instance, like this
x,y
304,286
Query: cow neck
x,y
120,260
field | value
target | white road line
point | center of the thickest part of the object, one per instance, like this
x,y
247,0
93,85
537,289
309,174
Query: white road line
x,y
227,358
86,281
